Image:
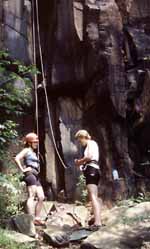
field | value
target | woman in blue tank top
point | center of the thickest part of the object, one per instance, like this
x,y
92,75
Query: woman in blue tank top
x,y
31,169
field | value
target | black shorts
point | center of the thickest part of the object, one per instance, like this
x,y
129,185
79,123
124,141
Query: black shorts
x,y
92,175
31,179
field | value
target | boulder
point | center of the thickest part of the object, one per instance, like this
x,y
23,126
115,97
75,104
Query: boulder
x,y
126,227
18,237
117,237
119,214
55,236
113,216
101,240
68,216
79,235
63,220
24,224
141,210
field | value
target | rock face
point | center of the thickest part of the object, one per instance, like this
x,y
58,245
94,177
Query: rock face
x,y
96,56
16,28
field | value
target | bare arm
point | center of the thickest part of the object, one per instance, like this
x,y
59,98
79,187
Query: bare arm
x,y
82,161
86,159
18,159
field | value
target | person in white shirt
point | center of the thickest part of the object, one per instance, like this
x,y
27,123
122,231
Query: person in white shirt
x,y
90,166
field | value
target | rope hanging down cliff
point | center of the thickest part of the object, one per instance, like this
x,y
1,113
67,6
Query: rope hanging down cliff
x,y
35,76
36,15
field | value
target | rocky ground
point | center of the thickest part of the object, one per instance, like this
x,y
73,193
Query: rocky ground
x,y
127,226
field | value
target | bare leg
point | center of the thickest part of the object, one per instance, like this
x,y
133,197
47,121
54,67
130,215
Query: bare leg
x,y
93,193
30,200
40,195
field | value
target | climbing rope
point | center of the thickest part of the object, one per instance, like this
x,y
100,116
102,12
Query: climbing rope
x,y
44,82
35,75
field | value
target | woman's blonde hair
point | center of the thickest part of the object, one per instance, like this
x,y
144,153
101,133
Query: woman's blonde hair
x,y
82,133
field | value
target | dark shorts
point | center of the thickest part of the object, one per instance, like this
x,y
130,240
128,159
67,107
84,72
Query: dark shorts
x,y
31,179
92,175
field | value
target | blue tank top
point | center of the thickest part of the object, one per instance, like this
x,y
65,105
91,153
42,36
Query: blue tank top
x,y
31,160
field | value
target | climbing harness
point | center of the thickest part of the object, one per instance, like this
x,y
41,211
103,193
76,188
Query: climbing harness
x,y
35,28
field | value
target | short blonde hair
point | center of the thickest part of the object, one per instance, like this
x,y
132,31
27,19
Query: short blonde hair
x,y
82,133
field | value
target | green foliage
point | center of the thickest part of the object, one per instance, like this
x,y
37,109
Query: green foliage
x,y
7,133
14,68
82,187
15,99
15,96
7,243
11,190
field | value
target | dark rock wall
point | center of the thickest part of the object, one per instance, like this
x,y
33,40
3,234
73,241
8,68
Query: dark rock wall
x,y
16,28
96,58
100,60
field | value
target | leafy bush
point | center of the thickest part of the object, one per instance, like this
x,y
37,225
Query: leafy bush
x,y
15,96
15,99
10,195
7,133
81,185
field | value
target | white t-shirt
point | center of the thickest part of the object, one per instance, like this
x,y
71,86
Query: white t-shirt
x,y
92,151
